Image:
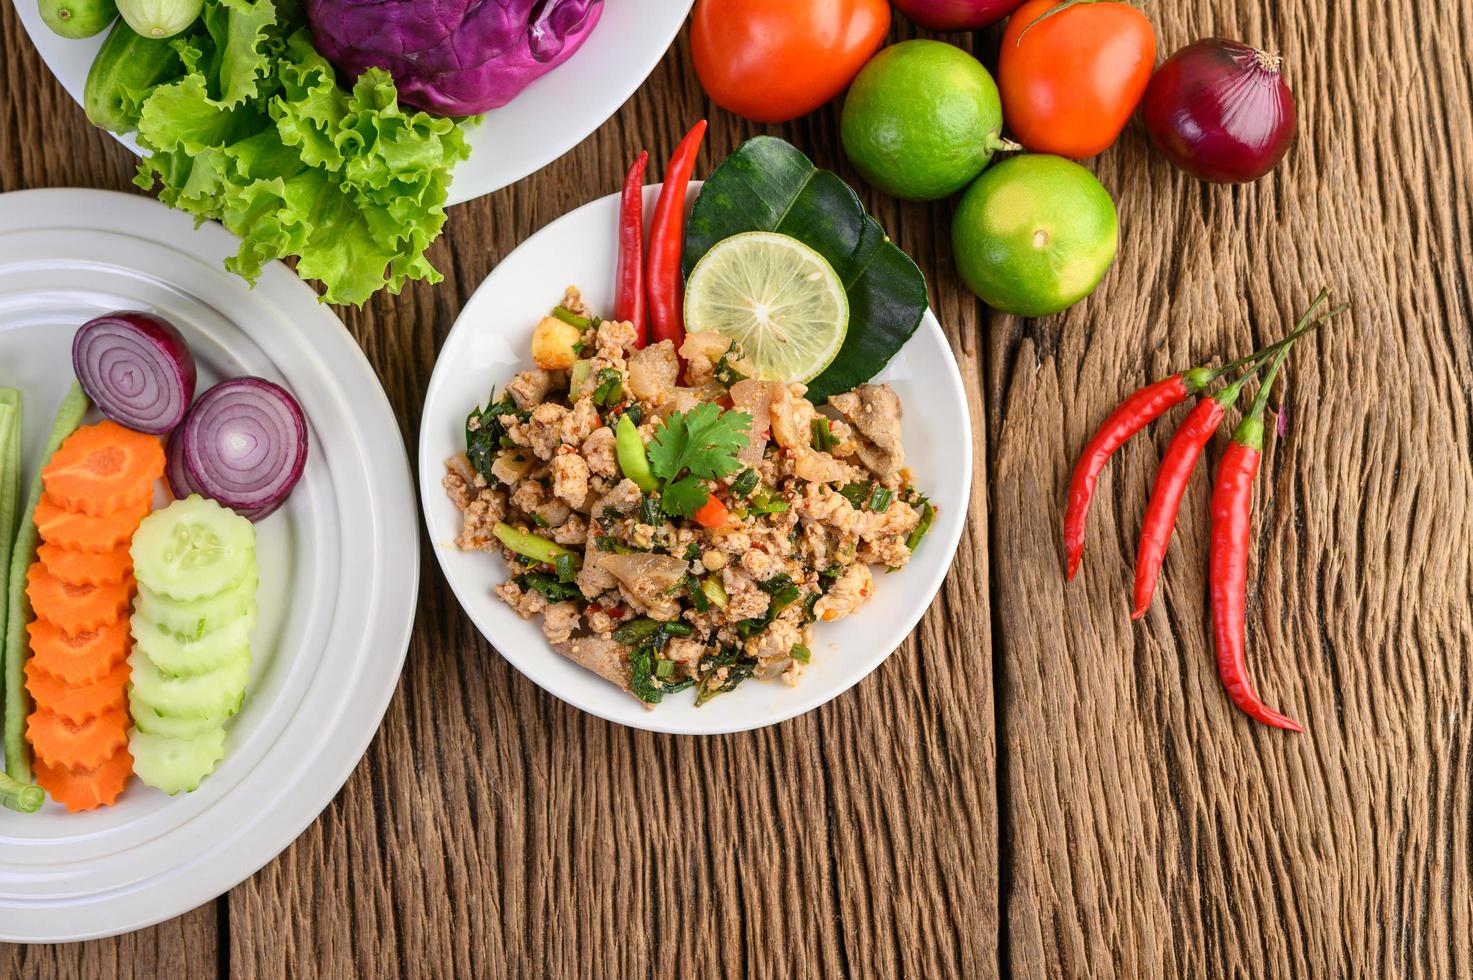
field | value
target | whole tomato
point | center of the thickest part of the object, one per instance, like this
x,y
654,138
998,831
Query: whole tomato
x,y
774,60
1070,80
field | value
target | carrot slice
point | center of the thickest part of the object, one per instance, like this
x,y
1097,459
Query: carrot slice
x,y
86,789
81,659
86,568
61,743
104,468
82,533
80,703
76,608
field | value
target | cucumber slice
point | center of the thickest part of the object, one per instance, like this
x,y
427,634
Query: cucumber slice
x,y
149,719
210,695
193,548
194,618
174,655
175,764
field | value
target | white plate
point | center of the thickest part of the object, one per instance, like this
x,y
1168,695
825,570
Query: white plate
x,y
489,344
553,115
339,563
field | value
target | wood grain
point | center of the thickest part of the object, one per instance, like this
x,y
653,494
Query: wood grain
x,y
1030,786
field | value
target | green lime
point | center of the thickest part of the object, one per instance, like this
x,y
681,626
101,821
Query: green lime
x,y
776,298
1034,235
921,120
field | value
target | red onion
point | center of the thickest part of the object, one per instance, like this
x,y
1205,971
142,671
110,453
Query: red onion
x,y
957,15
1220,111
181,486
136,368
244,445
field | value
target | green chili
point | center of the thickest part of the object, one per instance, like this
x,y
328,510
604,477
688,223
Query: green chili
x,y
633,460
532,546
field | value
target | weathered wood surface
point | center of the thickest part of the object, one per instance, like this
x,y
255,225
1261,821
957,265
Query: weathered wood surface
x,y
1031,785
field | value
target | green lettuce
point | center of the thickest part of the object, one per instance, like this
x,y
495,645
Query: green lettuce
x,y
257,134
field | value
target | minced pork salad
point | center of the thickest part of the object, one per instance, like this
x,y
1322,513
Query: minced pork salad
x,y
678,531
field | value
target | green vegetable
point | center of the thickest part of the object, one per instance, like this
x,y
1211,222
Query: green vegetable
x,y
159,18
664,669
739,668
22,797
823,436
689,447
12,794
125,71
484,433
643,681
18,606
711,586
610,390
555,590
928,515
578,375
254,131
572,319
564,566
744,484
768,185
633,462
78,18
801,653
528,545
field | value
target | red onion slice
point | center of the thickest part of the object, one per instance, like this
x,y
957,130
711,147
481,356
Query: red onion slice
x,y
244,444
136,368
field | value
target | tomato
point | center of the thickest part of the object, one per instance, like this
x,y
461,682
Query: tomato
x,y
1072,83
774,60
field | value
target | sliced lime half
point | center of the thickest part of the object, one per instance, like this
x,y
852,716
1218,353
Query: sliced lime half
x,y
775,297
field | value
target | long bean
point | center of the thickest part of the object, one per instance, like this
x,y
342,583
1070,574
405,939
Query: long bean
x,y
17,755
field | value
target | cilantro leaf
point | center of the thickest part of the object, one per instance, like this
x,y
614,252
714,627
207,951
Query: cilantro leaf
x,y
683,497
704,441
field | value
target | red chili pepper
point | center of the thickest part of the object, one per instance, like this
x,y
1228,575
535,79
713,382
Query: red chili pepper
x,y
629,303
667,239
1181,458
1135,413
1171,482
1228,565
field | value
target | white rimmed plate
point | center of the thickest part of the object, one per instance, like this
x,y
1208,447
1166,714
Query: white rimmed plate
x,y
339,563
553,115
489,344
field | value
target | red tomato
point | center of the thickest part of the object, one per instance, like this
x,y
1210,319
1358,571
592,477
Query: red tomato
x,y
774,60
1070,85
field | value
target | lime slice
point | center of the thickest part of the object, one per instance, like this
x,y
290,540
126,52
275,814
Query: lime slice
x,y
776,298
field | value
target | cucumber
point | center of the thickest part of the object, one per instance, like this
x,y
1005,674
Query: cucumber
x,y
78,18
175,764
126,68
174,656
195,618
193,548
150,719
210,695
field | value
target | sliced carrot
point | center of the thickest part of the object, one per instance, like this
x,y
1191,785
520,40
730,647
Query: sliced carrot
x,y
82,533
104,468
61,743
84,658
80,703
86,789
86,568
76,608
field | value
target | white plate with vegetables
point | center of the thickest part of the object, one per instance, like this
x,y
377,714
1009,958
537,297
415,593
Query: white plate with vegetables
x,y
213,597
654,525
359,209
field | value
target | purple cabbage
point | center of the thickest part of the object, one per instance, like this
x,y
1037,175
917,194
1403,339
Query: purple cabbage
x,y
452,57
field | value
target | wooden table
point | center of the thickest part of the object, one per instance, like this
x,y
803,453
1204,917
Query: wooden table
x,y
1032,784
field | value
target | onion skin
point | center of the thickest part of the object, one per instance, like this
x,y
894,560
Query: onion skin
x,y
1221,111
137,369
957,15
